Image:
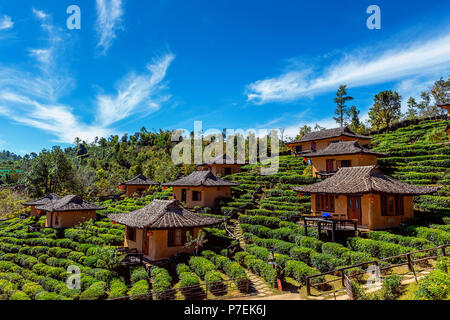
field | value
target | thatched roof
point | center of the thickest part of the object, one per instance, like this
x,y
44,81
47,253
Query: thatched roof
x,y
358,180
343,148
445,105
201,178
163,214
223,159
44,200
140,180
69,203
329,133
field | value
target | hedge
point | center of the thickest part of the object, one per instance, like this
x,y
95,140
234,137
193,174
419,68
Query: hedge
x,y
201,266
95,292
140,287
117,289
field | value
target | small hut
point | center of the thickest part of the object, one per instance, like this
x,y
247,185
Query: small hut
x,y
68,212
365,194
159,229
338,155
447,130
138,185
40,202
319,140
445,106
201,188
221,165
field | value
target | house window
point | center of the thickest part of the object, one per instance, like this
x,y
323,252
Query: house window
x,y
298,149
178,237
346,163
131,234
57,219
196,196
227,171
313,146
325,202
391,205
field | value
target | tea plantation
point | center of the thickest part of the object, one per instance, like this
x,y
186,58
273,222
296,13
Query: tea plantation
x,y
33,265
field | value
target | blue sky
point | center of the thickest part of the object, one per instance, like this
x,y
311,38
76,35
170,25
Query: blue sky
x,y
231,64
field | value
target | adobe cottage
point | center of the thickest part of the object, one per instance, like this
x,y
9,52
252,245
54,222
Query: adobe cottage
x,y
318,140
201,188
365,194
222,166
327,161
138,185
68,212
159,229
447,107
39,202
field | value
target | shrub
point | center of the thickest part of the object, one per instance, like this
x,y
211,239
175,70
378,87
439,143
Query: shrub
x,y
181,267
240,256
138,274
201,266
312,243
32,288
302,254
435,286
213,276
117,289
161,279
95,292
140,287
443,264
299,270
188,279
270,222
391,287
19,295
325,262
438,237
44,295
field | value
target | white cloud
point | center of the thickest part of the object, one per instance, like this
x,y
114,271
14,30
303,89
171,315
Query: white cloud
x,y
135,93
358,69
40,14
6,22
109,20
32,97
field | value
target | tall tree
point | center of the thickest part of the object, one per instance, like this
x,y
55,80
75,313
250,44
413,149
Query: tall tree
x,y
441,91
303,131
412,109
386,109
353,114
341,107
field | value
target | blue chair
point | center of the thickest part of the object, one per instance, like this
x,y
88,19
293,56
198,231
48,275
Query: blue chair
x,y
326,215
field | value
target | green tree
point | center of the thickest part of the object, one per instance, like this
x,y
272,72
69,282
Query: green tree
x,y
341,107
303,131
385,110
441,91
197,242
412,109
355,123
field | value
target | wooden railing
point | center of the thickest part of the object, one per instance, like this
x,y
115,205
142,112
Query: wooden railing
x,y
231,288
407,256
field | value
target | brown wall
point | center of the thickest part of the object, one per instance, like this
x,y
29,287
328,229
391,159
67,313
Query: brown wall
x,y
371,217
158,244
33,211
357,160
322,144
219,169
209,195
131,189
68,219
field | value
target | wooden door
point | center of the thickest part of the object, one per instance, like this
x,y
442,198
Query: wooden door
x,y
183,195
145,242
330,165
354,209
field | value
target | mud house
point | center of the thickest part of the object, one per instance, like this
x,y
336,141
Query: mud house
x,y
447,130
319,140
39,202
365,194
445,106
201,188
221,166
327,161
138,185
68,212
159,229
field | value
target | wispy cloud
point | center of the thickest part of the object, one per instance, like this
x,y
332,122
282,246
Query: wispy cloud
x,y
6,22
109,21
358,69
135,94
32,98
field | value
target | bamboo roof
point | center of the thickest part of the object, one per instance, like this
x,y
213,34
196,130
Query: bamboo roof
x,y
44,200
360,180
163,214
69,203
140,180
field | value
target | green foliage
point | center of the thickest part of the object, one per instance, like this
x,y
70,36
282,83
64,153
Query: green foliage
x,y
140,287
96,291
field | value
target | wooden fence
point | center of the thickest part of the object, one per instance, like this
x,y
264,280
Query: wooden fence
x,y
225,289
407,259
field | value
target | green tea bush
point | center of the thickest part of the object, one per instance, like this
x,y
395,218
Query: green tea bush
x,y
201,266
96,291
117,289
138,274
140,287
312,243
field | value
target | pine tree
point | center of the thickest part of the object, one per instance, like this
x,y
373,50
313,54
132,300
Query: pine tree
x,y
341,108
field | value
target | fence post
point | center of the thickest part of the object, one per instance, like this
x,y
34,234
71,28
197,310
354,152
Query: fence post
x,y
343,278
443,251
411,266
